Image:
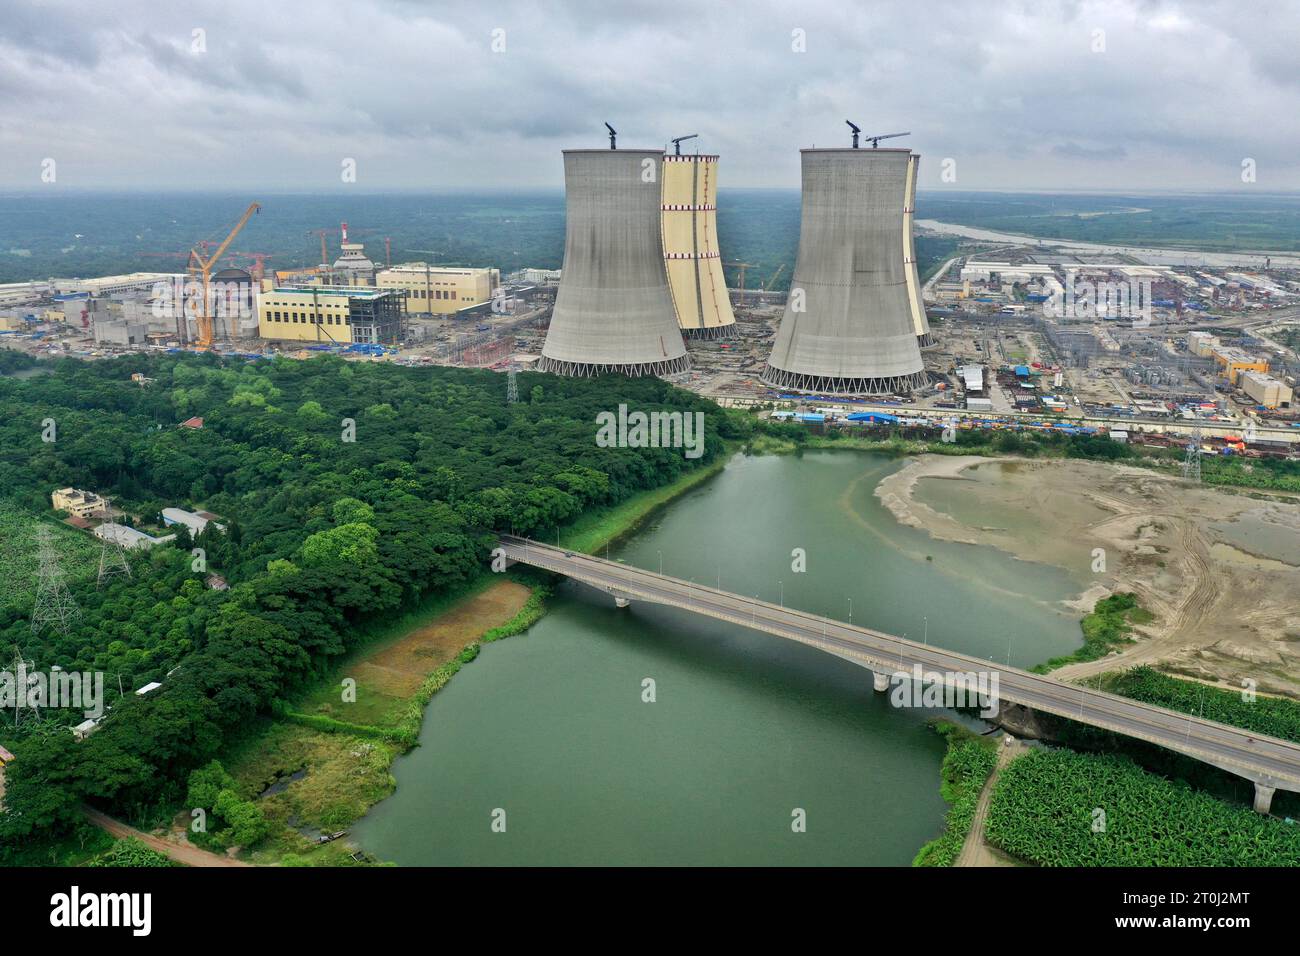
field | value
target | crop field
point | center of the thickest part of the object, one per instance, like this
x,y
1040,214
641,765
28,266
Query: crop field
x,y
78,553
1062,808
1266,715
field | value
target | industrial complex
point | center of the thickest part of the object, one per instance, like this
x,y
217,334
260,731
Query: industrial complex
x,y
1145,345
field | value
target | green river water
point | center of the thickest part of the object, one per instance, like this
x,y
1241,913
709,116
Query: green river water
x,y
551,728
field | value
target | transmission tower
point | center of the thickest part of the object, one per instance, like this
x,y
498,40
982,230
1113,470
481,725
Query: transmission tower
x,y
512,388
54,606
112,554
1192,463
20,667
112,562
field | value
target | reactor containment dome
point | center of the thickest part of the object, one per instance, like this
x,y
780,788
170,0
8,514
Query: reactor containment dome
x,y
613,311
691,254
849,326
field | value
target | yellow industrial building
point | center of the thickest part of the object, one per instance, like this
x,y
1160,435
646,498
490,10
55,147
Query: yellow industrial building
x,y
1233,361
439,290
689,218
330,315
78,503
1266,390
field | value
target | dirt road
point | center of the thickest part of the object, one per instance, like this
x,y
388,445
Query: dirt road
x,y
180,852
976,850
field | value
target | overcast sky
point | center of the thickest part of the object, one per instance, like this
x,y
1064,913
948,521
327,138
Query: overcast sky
x,y
1120,94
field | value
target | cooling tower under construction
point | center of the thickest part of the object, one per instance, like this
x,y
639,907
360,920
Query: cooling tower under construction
x,y
919,320
691,256
849,326
613,311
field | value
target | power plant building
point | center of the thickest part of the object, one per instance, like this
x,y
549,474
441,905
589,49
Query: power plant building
x,y
352,261
330,315
613,310
849,326
917,305
439,290
691,254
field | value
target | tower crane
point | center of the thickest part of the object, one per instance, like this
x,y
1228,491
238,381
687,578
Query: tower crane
x,y
874,140
259,262
767,287
200,267
324,253
742,266
677,143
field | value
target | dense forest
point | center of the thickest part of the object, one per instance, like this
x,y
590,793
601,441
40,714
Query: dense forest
x,y
349,492
107,234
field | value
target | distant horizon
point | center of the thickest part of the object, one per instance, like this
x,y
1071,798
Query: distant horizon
x,y
242,191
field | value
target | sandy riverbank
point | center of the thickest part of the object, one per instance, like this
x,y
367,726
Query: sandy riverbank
x,y
1216,567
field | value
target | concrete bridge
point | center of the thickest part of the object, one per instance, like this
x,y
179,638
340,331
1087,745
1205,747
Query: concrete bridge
x,y
1271,764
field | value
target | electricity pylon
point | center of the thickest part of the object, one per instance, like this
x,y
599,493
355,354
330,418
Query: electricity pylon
x,y
20,667
112,554
112,562
54,606
512,388
1192,462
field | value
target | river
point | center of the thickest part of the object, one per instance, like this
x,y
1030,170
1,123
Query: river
x,y
551,727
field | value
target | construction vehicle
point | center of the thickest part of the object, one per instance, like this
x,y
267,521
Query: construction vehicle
x,y
200,267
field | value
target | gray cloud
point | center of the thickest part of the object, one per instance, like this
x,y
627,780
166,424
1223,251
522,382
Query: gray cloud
x,y
1095,94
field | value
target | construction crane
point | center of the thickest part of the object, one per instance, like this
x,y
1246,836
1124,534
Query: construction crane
x,y
200,266
324,253
259,262
772,281
874,140
742,266
612,135
677,143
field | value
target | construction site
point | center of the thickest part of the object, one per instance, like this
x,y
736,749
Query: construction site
x,y
1000,335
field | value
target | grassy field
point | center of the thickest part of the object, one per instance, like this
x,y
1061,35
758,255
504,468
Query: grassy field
x,y
78,553
592,532
967,765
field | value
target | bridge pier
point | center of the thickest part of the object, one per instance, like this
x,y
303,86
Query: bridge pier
x,y
621,601
1263,797
880,681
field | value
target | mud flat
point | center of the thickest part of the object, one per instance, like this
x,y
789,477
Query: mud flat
x,y
1217,568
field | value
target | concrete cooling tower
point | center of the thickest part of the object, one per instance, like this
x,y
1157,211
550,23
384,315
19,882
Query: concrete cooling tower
x,y
919,320
848,326
691,256
613,311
